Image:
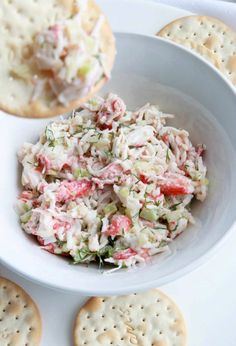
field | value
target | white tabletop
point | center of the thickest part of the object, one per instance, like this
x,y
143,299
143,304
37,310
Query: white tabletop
x,y
206,296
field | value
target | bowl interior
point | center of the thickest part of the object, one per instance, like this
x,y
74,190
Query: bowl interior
x,y
147,70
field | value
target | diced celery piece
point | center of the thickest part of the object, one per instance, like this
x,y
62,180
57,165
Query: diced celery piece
x,y
25,217
142,165
99,222
64,248
205,181
128,213
163,243
110,208
52,172
149,214
143,239
81,173
93,102
26,207
101,144
84,70
132,214
124,192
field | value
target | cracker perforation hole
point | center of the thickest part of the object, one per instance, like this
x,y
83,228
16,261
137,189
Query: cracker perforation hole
x,y
141,307
25,306
222,46
168,34
9,303
103,316
7,27
113,307
17,296
115,326
194,34
83,328
213,26
18,331
17,317
181,26
144,319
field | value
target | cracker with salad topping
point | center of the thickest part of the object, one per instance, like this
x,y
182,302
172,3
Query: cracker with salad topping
x,y
55,54
211,35
20,321
150,318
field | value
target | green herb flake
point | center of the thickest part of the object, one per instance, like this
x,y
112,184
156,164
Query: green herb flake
x,y
81,173
163,243
174,206
168,155
60,243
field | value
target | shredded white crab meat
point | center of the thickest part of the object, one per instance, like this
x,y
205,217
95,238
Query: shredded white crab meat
x,y
110,184
71,56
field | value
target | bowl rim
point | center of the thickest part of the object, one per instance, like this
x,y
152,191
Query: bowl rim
x,y
169,277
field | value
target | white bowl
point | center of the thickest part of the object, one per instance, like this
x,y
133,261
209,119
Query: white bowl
x,y
152,70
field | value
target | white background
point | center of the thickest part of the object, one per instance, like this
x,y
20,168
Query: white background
x,y
207,296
